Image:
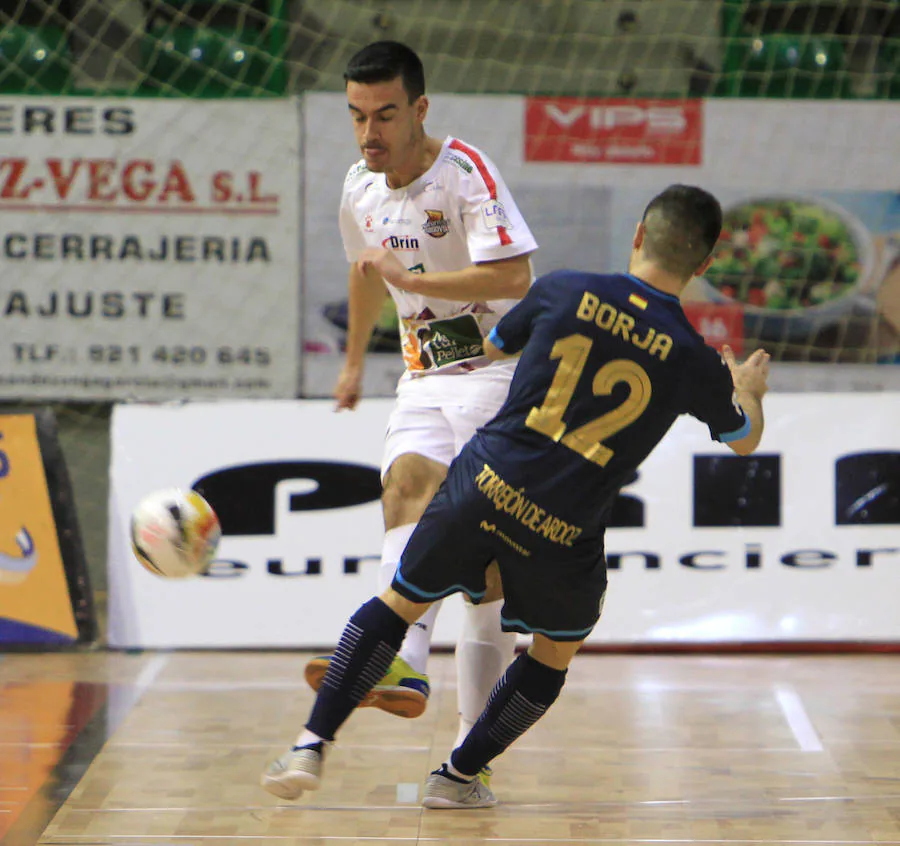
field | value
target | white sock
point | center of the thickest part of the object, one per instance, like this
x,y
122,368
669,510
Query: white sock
x,y
392,547
307,738
417,643
483,652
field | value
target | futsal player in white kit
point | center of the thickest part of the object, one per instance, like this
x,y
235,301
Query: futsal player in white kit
x,y
431,222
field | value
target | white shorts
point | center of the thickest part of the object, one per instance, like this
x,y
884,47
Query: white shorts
x,y
440,429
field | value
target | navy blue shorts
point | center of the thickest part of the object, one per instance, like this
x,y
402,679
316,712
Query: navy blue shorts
x,y
554,580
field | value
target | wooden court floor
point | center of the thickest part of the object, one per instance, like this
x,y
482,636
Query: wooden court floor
x,y
166,748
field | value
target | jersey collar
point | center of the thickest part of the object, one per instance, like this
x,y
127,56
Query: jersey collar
x,y
651,290
419,180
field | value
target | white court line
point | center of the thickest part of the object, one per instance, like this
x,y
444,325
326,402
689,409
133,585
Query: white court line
x,y
518,807
539,750
186,685
551,750
148,675
163,839
193,744
797,718
219,686
119,706
222,809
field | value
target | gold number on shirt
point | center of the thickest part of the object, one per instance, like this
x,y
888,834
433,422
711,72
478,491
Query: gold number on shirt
x,y
587,440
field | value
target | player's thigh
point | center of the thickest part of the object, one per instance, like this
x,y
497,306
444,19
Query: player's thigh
x,y
419,446
553,593
493,584
410,483
419,431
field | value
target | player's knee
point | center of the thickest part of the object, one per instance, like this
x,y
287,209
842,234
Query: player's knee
x,y
557,654
401,505
409,486
403,607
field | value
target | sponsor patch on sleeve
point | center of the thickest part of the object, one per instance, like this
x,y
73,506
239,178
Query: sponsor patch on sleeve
x,y
494,215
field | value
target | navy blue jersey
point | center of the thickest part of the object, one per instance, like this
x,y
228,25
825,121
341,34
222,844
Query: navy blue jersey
x,y
608,363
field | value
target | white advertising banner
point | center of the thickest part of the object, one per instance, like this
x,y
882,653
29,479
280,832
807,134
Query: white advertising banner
x,y
815,279
149,248
799,542
297,489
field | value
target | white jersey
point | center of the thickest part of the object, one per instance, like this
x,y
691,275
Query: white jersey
x,y
459,212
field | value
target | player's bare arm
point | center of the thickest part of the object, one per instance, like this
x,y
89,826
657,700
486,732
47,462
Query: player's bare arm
x,y
494,353
750,386
490,280
365,298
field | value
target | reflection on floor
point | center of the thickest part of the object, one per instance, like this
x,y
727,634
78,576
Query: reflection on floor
x,y
40,722
166,748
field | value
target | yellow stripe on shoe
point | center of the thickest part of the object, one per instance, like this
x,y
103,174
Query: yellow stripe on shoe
x,y
402,691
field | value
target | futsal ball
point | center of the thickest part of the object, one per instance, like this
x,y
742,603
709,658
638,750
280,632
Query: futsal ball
x,y
175,533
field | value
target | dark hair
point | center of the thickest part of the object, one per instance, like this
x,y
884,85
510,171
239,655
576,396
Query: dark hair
x,y
383,61
682,225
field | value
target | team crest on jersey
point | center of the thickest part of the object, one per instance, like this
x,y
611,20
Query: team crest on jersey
x,y
436,225
367,223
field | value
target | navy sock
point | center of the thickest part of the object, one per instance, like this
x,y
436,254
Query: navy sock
x,y
364,654
526,690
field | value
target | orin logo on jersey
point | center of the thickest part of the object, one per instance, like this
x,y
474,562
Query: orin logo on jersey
x,y
401,242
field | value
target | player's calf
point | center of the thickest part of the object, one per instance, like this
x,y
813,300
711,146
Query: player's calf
x,y
522,696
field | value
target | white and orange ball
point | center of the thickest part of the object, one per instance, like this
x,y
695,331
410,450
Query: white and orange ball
x,y
175,533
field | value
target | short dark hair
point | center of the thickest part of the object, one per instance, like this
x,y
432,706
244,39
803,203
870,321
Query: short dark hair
x,y
383,61
682,225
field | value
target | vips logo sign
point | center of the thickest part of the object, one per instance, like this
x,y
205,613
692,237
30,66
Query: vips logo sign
x,y
613,131
158,243
35,606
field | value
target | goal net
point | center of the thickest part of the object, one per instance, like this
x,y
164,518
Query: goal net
x,y
166,157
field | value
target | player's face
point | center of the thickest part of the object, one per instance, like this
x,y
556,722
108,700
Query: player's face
x,y
387,126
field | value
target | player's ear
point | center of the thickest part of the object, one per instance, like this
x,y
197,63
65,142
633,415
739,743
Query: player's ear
x,y
421,107
638,236
703,267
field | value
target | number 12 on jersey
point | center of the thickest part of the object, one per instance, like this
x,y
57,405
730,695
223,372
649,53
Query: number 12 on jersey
x,y
587,440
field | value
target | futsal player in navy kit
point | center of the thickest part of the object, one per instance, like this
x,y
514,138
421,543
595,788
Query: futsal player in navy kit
x,y
608,362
